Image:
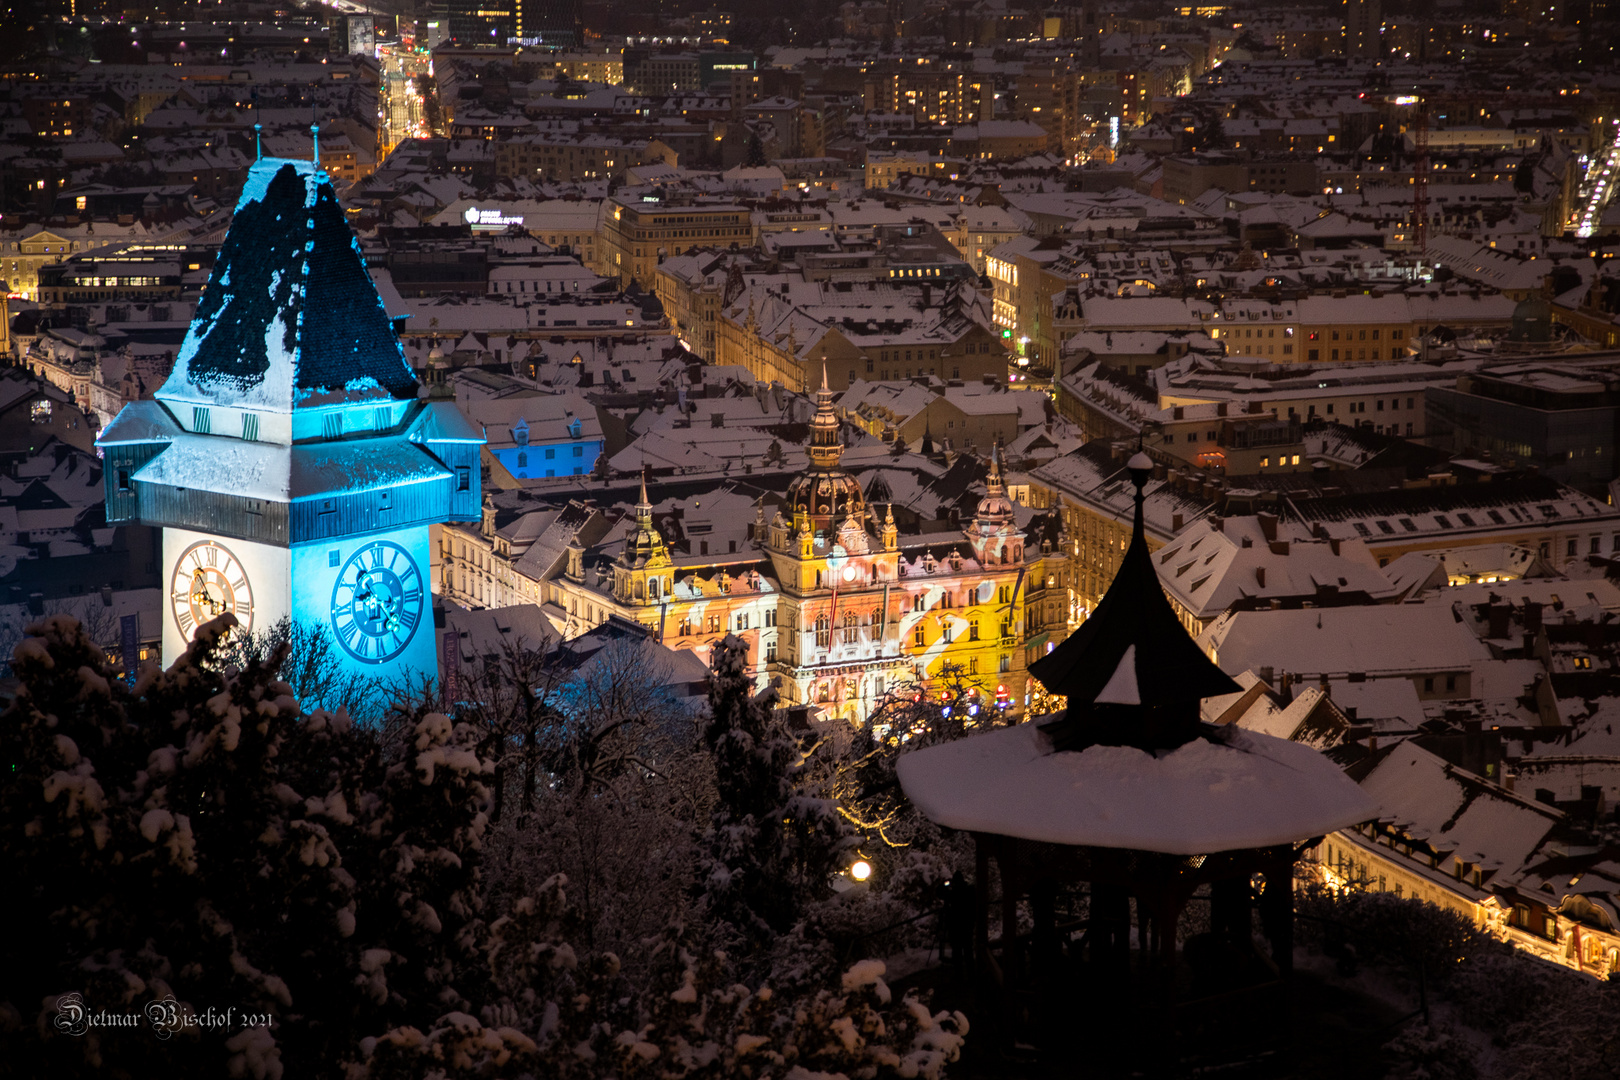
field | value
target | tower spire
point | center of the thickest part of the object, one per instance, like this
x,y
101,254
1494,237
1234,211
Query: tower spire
x,y
315,140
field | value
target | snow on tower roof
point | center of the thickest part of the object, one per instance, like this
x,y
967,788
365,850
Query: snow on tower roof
x,y
1246,790
290,317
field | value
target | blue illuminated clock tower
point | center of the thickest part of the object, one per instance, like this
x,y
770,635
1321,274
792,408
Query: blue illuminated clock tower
x,y
288,459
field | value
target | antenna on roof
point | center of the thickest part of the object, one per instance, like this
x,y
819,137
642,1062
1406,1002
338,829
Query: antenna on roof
x,y
258,142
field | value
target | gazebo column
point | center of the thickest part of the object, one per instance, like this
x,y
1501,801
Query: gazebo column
x,y
1110,925
1045,947
1277,907
981,901
1229,899
1011,886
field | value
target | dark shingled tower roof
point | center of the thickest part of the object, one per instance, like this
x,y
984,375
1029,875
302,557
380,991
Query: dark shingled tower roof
x,y
1131,673
290,317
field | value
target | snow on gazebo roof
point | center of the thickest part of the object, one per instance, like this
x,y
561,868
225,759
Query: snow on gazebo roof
x,y
1244,790
290,317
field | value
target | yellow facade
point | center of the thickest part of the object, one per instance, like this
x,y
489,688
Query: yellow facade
x,y
835,612
636,237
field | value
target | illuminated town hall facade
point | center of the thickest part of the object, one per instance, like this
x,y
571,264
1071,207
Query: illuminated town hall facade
x,y
837,607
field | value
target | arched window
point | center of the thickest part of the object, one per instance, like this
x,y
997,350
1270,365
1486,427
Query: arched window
x,y
852,624
823,631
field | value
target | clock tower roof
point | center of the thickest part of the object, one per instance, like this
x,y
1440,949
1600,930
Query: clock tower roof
x,y
290,318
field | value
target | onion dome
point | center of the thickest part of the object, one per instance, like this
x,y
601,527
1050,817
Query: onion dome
x,y
644,546
824,493
995,509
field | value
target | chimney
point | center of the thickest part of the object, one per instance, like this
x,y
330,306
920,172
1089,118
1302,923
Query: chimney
x,y
1217,523
1498,617
1508,778
1279,547
1532,616
1220,409
1268,524
1334,545
1175,522
1260,576
1265,674
1180,413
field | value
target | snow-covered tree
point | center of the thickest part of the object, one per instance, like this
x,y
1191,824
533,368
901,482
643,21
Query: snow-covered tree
x,y
772,846
196,836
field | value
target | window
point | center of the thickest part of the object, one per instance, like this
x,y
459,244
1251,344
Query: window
x,y
1428,684
823,631
920,635
1569,548
579,451
123,482
770,651
742,622
332,558
201,422
1004,665
523,459
551,452
973,630
463,478
250,427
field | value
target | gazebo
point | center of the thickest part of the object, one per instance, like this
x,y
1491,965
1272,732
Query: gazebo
x,y
1130,794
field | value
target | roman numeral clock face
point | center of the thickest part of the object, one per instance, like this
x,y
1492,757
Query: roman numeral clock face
x,y
210,581
377,602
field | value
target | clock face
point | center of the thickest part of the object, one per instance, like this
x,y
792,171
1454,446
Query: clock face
x,y
209,580
377,602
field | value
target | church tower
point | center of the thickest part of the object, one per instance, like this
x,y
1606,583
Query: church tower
x,y
288,459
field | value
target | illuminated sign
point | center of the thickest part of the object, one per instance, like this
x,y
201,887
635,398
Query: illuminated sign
x,y
489,220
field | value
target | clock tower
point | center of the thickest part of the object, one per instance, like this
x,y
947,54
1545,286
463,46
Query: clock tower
x,y
288,459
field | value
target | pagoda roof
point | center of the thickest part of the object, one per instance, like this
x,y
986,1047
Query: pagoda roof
x,y
1132,650
290,317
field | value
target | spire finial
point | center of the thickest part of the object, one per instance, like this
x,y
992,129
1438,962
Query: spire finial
x,y
1141,467
643,501
824,373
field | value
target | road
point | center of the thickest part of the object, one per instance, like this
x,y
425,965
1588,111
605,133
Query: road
x,y
402,111
1597,189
